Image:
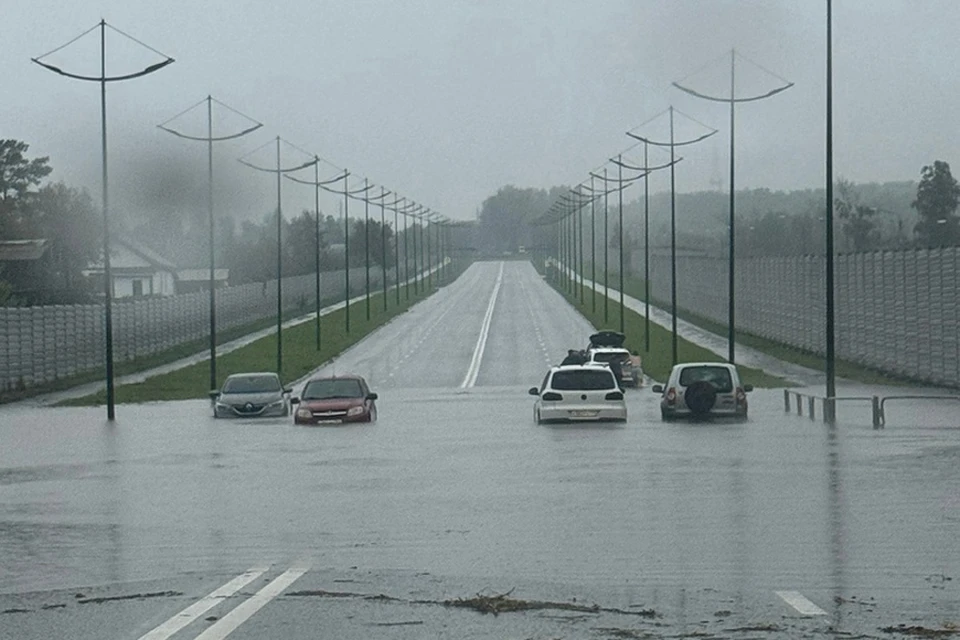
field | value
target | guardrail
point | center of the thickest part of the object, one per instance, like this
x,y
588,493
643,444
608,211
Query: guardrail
x,y
828,409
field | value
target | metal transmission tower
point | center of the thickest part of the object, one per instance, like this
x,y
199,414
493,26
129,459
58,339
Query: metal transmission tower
x,y
279,170
103,79
733,100
673,144
210,139
318,184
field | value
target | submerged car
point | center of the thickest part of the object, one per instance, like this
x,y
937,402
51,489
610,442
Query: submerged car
x,y
251,395
606,347
579,393
335,399
701,390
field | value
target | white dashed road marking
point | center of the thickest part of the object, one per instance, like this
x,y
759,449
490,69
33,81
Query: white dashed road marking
x,y
229,623
203,605
803,606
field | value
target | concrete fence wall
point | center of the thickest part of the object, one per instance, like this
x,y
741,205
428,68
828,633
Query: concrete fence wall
x,y
43,344
896,311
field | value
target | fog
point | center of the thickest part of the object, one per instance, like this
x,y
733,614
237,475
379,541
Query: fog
x,y
446,101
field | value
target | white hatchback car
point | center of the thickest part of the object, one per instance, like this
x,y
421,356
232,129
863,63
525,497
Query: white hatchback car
x,y
579,393
703,389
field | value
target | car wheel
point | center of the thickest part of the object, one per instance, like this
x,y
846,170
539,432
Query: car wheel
x,y
700,398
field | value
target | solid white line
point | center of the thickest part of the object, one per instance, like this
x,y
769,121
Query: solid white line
x,y
803,606
229,623
203,605
474,370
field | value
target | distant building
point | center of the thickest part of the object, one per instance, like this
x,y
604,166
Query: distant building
x,y
136,270
26,264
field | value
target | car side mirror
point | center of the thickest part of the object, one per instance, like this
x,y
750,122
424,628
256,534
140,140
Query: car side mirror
x,y
534,391
657,388
372,396
294,400
748,387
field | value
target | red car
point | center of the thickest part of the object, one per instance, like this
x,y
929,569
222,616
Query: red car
x,y
335,400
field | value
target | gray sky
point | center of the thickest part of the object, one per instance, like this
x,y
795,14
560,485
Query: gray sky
x,y
445,101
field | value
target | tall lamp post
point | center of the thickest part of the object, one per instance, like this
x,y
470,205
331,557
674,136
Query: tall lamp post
x,y
733,100
673,144
210,139
646,170
279,171
831,389
103,79
318,184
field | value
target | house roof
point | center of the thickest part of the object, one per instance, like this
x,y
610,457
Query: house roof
x,y
20,250
146,253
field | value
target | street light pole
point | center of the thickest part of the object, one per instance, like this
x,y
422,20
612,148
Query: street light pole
x,y
103,79
673,211
733,100
279,171
210,139
830,407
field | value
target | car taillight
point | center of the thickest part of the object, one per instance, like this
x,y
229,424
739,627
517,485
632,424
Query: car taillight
x,y
551,395
741,396
671,395
613,395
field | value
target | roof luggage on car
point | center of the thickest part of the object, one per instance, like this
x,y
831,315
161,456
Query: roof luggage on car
x,y
607,339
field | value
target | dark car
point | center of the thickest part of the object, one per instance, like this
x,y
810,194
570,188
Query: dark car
x,y
335,399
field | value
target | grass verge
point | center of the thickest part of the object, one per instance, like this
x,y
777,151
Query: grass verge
x,y
634,287
300,355
657,362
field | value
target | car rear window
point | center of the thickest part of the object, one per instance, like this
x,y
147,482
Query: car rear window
x,y
719,377
583,380
610,356
332,388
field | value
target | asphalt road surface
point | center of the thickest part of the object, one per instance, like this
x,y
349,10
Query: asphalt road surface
x,y
169,524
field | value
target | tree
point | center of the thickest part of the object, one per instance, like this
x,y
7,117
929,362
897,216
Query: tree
x,y
857,219
17,176
937,197
66,216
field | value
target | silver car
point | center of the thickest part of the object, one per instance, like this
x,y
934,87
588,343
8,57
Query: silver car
x,y
701,390
251,395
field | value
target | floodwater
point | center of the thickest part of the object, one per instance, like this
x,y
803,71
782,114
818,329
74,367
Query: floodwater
x,y
779,527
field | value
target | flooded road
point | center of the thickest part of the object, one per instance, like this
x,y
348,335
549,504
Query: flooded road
x,y
780,527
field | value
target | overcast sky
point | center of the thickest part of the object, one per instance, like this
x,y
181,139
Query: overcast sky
x,y
445,101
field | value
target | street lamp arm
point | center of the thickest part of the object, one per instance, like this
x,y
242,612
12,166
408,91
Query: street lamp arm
x,y
671,144
696,93
210,139
309,163
647,170
129,76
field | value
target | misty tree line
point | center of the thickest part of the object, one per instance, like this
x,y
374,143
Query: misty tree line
x,y
72,224
867,217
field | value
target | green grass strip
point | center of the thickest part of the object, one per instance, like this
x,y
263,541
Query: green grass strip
x,y
657,362
300,355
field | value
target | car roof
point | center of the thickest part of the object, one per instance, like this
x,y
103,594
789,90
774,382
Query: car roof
x,y
609,349
589,366
681,365
253,374
339,376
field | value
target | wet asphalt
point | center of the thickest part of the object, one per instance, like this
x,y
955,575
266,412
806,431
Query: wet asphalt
x,y
779,527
